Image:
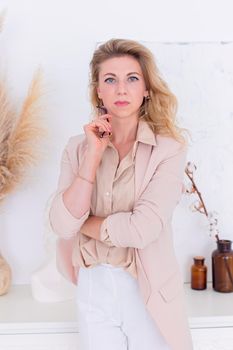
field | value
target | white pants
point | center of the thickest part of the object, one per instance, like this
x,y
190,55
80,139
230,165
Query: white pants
x,y
111,313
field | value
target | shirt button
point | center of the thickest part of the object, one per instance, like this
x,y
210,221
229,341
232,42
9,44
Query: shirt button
x,y
107,193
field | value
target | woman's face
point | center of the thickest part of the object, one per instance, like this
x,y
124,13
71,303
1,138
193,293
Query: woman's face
x,y
121,80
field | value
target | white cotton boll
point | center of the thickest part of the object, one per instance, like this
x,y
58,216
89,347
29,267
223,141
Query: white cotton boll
x,y
188,188
195,205
213,217
191,167
212,233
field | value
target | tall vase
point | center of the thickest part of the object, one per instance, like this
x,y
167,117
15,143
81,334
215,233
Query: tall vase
x,y
222,267
5,276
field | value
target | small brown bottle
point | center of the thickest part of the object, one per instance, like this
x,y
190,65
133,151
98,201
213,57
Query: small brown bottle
x,y
198,273
222,267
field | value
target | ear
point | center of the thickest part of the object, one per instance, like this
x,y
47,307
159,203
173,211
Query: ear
x,y
146,94
98,92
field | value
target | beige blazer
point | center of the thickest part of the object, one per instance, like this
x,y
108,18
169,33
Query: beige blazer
x,y
159,173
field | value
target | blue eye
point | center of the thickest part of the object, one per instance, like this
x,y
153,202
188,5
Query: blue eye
x,y
132,78
109,80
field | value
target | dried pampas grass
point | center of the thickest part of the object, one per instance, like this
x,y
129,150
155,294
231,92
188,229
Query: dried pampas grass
x,y
19,136
5,276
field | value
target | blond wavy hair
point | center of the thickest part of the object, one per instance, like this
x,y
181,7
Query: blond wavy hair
x,y
160,110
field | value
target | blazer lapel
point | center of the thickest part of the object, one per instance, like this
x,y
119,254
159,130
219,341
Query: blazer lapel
x,y
142,161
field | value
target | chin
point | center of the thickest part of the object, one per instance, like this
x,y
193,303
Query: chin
x,y
123,113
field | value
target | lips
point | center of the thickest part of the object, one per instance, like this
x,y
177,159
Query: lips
x,y
121,103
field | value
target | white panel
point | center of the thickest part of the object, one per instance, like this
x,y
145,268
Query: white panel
x,y
213,339
39,342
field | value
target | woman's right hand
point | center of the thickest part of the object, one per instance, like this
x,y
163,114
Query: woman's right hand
x,y
93,131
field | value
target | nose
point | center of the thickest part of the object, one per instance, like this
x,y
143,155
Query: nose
x,y
121,88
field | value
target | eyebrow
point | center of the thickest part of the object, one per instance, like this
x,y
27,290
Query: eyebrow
x,y
115,74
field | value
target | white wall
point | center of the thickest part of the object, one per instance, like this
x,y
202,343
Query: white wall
x,y
61,36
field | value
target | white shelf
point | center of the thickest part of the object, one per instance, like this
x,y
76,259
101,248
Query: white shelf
x,y
208,308
19,311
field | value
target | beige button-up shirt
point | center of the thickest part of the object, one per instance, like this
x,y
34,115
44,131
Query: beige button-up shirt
x,y
113,191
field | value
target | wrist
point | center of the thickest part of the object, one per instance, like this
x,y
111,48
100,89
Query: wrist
x,y
90,181
93,157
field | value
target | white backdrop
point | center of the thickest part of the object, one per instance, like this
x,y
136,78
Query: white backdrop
x,y
60,36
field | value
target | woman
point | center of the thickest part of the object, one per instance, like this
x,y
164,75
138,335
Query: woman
x,y
119,184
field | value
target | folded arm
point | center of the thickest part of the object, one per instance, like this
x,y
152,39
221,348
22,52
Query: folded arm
x,y
91,227
137,228
70,206
153,210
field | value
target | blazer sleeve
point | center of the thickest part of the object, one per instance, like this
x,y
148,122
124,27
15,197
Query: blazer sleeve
x,y
62,222
154,208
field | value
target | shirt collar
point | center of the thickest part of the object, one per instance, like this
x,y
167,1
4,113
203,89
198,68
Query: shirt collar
x,y
144,134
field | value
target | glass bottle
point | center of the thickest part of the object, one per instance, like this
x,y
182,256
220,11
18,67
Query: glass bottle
x,y
198,273
222,267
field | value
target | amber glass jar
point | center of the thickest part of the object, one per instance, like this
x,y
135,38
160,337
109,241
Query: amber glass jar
x,y
198,273
222,267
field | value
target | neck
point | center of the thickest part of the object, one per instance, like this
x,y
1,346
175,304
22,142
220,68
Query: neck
x,y
124,131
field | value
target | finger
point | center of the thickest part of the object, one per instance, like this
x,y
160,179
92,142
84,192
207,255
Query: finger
x,y
104,117
98,129
105,134
101,123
